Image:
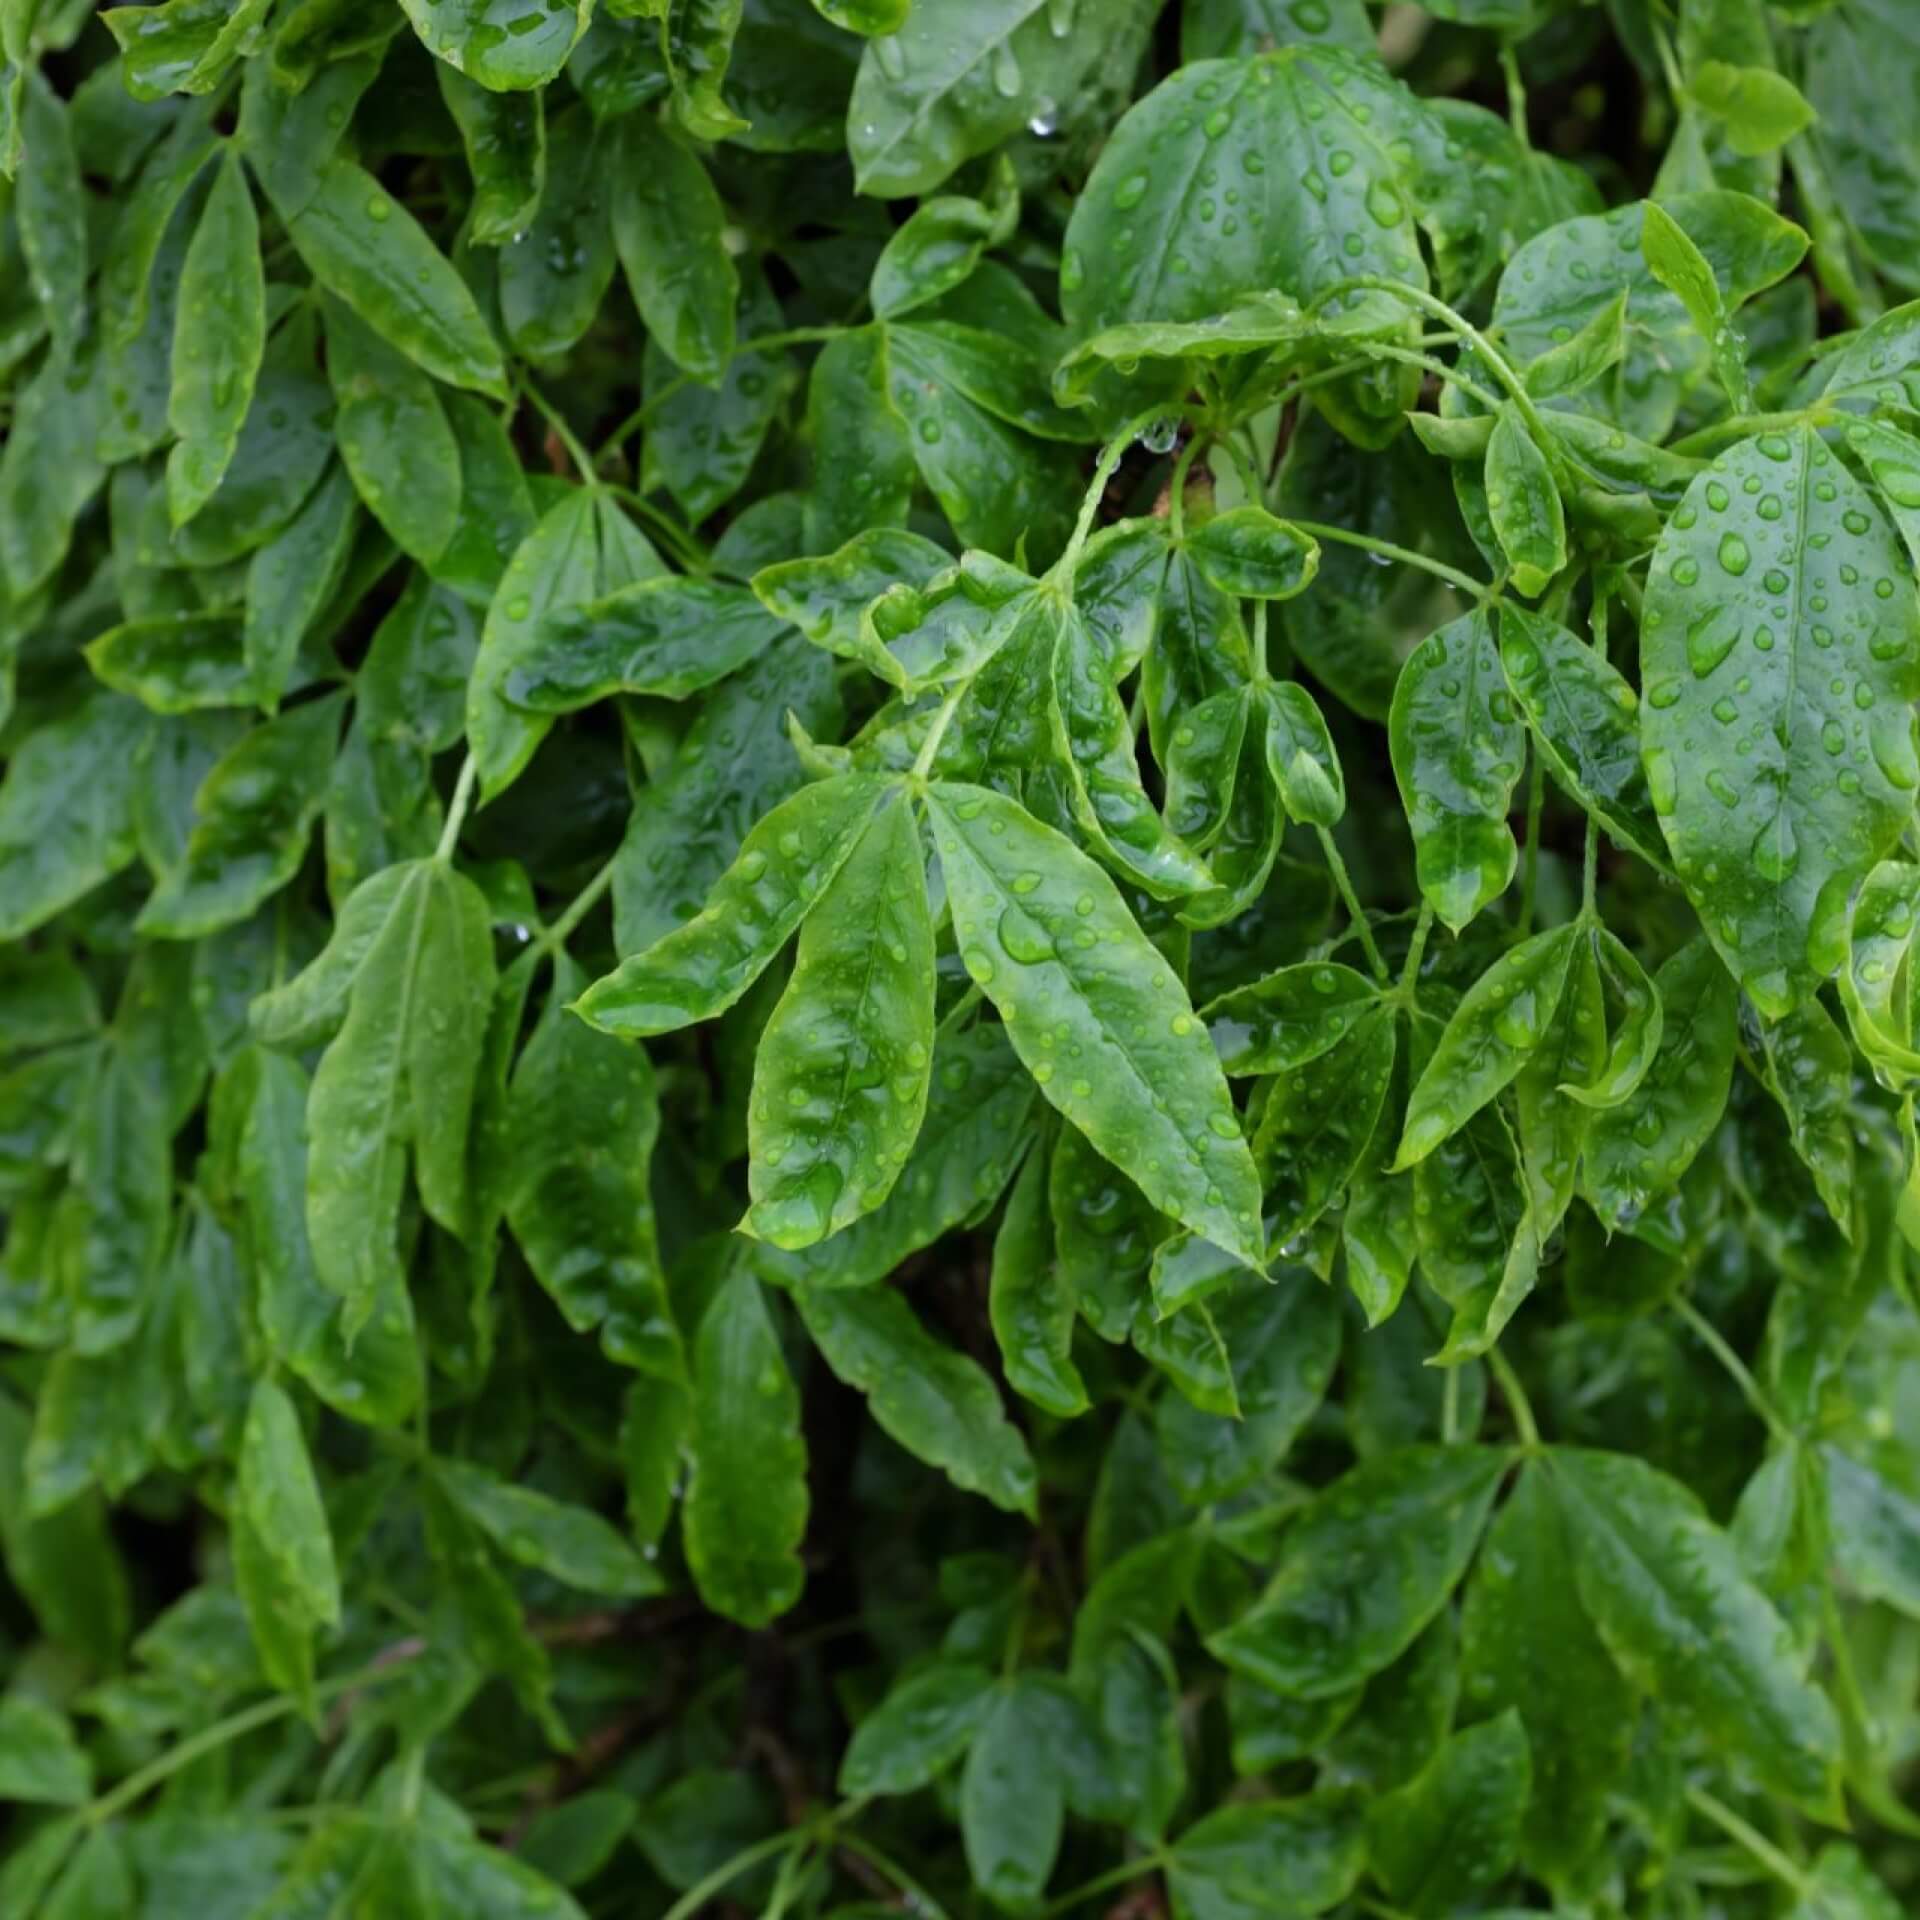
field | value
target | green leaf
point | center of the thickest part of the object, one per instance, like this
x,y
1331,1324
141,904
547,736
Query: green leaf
x,y
1873,981
401,1067
555,267
569,1542
840,1077
1319,1120
746,1506
1666,1591
181,46
783,868
580,550
40,1762
1029,1302
1682,268
1247,551
1807,1066
291,579
219,336
1140,245
957,77
581,1125
1284,1340
1452,1832
1493,1033
1760,109
1640,1148
1585,720
1524,503
1457,753
1291,1016
976,1128
375,1377
506,143
1266,1858
1527,1646
669,227
935,1402
361,245
502,50
668,635
1733,648
1046,934
66,809
282,1545
1365,1568
938,246
919,1730
862,458
1563,278
394,437
254,814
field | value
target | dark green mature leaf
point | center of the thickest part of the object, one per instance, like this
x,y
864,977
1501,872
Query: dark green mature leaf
x,y
1665,1589
1451,1832
627,1114
1366,1567
746,1505
937,1403
363,246
1739,646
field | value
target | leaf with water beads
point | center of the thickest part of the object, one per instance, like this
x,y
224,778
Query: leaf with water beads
x,y
840,1079
1640,1148
1523,502
1492,1035
784,866
1585,719
1457,752
1144,245
1293,1015
1682,268
1780,652
1097,1015
1876,982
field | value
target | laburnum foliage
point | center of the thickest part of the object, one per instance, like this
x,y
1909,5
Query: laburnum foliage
x,y
959,959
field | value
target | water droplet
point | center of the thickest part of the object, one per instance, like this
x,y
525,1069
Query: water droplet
x,y
1734,557
1131,191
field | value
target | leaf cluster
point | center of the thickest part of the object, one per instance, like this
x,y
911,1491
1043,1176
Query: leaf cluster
x,y
959,956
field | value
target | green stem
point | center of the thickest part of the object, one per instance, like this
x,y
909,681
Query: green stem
x,y
1516,92
581,458
1515,1396
235,1726
1383,350
1361,926
697,1895
1530,875
457,808
1450,1409
1177,486
582,904
1742,426
1755,1842
687,550
925,1906
923,760
1105,1882
1416,952
1710,1337
1589,869
1109,464
1346,537
766,343
1419,297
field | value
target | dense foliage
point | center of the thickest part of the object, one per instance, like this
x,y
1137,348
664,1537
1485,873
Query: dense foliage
x,y
959,958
